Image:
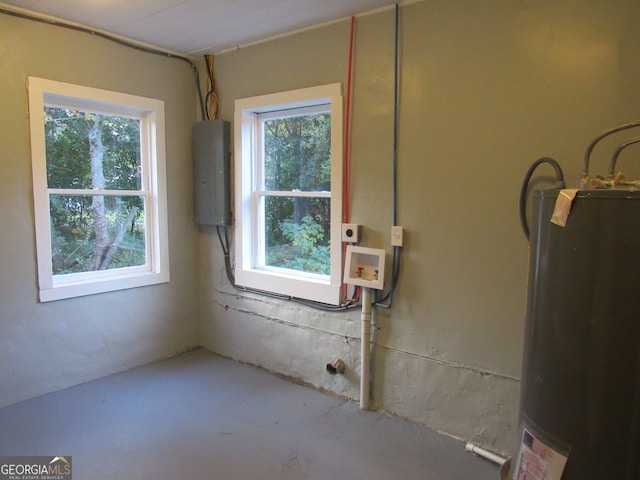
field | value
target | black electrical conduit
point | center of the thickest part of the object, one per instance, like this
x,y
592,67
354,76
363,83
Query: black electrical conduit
x,y
224,243
525,185
112,38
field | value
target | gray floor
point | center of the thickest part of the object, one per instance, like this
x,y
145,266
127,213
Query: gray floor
x,y
200,416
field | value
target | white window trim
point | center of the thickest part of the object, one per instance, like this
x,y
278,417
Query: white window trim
x,y
151,113
299,285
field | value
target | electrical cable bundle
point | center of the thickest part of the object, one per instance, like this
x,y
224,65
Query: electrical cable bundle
x,y
212,101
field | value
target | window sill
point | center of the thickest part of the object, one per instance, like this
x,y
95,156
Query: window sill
x,y
289,285
65,289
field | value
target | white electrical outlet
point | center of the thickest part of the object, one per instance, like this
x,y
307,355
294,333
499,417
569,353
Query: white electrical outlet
x,y
397,236
350,232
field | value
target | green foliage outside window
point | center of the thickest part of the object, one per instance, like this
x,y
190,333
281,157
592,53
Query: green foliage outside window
x,y
95,152
297,158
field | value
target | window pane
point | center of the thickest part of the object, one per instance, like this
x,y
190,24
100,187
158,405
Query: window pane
x,y
96,232
90,150
297,153
297,233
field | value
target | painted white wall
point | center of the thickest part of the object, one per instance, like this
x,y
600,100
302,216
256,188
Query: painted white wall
x,y
48,346
487,88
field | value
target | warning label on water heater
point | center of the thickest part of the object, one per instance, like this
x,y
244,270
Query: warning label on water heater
x,y
537,461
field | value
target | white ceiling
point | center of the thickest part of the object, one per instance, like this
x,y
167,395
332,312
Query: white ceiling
x,y
196,27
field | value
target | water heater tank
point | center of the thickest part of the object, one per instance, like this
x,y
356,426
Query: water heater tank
x,y
580,391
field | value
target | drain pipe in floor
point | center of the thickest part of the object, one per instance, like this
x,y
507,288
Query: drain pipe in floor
x,y
481,452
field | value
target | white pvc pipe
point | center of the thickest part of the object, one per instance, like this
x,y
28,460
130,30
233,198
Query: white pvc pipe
x,y
481,452
365,348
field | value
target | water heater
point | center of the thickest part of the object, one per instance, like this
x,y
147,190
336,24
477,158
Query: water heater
x,y
580,393
580,390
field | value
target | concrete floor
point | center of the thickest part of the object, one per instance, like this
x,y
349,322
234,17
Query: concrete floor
x,y
200,416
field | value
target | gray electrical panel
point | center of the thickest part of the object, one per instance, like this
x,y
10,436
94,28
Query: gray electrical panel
x,y
211,168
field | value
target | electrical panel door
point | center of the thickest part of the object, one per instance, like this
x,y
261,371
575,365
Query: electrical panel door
x,y
211,170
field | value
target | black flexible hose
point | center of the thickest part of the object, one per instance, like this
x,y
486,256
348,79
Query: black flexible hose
x,y
525,186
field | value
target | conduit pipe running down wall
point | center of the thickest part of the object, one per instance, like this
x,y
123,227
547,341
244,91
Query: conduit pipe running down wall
x,y
365,348
365,336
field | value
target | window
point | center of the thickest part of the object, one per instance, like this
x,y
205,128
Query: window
x,y
99,189
288,175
